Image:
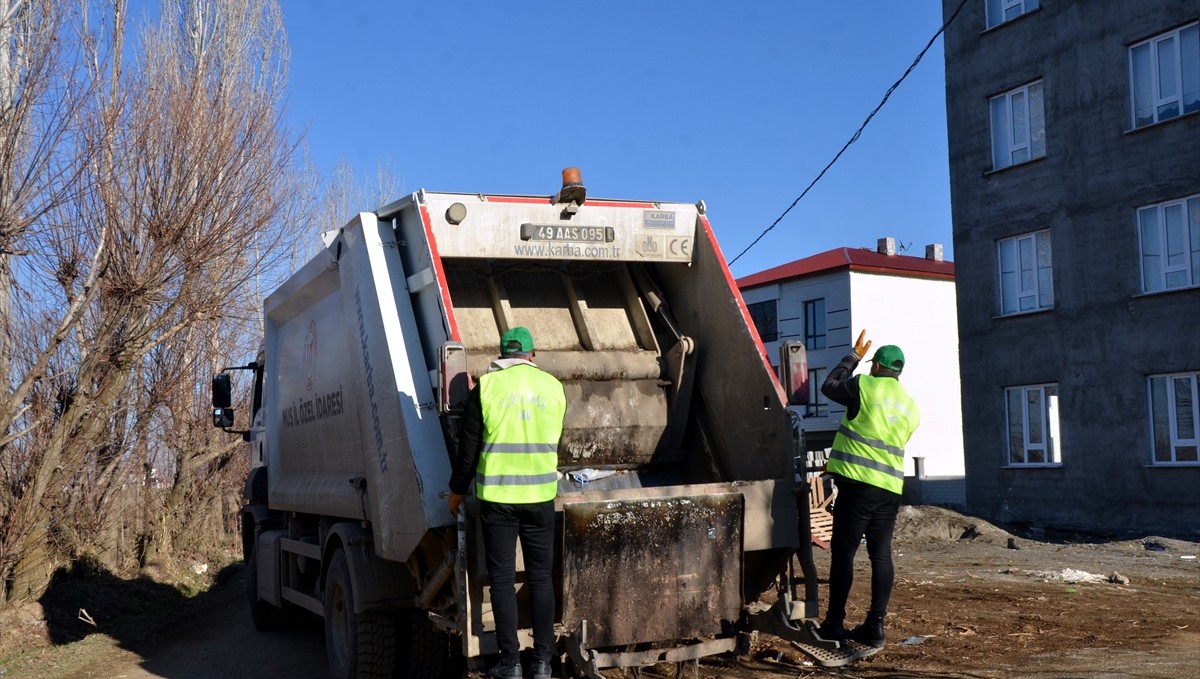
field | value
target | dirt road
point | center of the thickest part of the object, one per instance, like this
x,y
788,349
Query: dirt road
x,y
210,638
971,600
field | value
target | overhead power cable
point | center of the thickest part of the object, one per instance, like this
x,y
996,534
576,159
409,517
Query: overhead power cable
x,y
857,133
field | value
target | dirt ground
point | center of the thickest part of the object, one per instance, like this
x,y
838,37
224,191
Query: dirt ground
x,y
971,600
974,600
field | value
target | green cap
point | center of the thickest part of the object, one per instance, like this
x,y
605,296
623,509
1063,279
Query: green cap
x,y
889,356
516,340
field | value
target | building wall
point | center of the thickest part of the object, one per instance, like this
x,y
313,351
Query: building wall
x,y
1102,338
834,288
918,315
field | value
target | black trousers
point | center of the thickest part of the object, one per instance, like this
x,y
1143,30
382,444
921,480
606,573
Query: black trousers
x,y
534,525
861,509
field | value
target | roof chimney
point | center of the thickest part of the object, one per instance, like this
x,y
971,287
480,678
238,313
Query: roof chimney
x,y
886,246
933,252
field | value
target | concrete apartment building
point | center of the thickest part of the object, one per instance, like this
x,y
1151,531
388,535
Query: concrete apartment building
x,y
1074,138
826,299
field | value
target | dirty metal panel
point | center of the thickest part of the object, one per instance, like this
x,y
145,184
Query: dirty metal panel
x,y
654,569
613,423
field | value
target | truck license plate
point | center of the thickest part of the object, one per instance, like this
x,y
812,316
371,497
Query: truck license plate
x,y
569,234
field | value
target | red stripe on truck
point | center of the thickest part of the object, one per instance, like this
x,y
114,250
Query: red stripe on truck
x,y
533,200
621,203
441,274
517,199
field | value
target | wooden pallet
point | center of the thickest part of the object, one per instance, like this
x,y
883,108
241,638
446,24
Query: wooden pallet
x,y
820,518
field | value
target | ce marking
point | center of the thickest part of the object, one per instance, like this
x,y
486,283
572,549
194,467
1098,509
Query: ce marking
x,y
679,247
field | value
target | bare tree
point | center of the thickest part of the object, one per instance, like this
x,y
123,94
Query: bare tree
x,y
40,96
345,194
185,195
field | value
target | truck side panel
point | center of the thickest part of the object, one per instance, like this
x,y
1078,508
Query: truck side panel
x,y
350,398
406,464
311,399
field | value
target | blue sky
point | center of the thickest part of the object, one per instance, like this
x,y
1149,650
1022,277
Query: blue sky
x,y
736,104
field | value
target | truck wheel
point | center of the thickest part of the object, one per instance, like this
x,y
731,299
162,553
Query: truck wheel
x,y
359,646
431,653
264,616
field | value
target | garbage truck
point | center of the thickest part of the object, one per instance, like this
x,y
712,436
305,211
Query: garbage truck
x,y
680,514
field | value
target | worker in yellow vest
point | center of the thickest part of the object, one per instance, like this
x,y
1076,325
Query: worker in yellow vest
x,y
867,465
509,448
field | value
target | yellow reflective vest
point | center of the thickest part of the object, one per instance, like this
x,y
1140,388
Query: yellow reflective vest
x,y
523,409
870,448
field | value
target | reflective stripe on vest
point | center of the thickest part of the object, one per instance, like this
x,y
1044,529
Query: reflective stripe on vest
x,y
523,410
870,448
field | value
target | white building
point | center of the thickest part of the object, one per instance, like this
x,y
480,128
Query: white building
x,y
825,300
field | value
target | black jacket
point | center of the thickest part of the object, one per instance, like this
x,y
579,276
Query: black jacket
x,y
469,438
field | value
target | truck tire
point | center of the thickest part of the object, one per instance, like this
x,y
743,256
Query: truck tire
x,y
264,616
360,646
428,652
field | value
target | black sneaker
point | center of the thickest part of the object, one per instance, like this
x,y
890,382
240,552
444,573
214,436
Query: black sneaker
x,y
540,670
502,671
870,633
832,632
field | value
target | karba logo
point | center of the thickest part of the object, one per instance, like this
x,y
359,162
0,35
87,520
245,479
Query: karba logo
x,y
310,355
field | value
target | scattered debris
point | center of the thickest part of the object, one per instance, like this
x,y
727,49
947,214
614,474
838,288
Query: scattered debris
x,y
1188,556
1072,576
914,640
582,477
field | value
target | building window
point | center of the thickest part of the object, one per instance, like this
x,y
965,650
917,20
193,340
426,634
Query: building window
x,y
999,11
1175,418
1018,126
817,406
766,320
1026,273
1169,238
1033,425
814,324
1164,75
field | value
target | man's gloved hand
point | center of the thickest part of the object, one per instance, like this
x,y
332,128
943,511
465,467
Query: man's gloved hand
x,y
860,348
455,501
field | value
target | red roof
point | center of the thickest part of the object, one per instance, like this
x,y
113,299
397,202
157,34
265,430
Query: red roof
x,y
854,259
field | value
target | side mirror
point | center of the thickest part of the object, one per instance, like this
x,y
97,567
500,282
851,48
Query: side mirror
x,y
222,399
222,393
223,418
454,383
793,371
